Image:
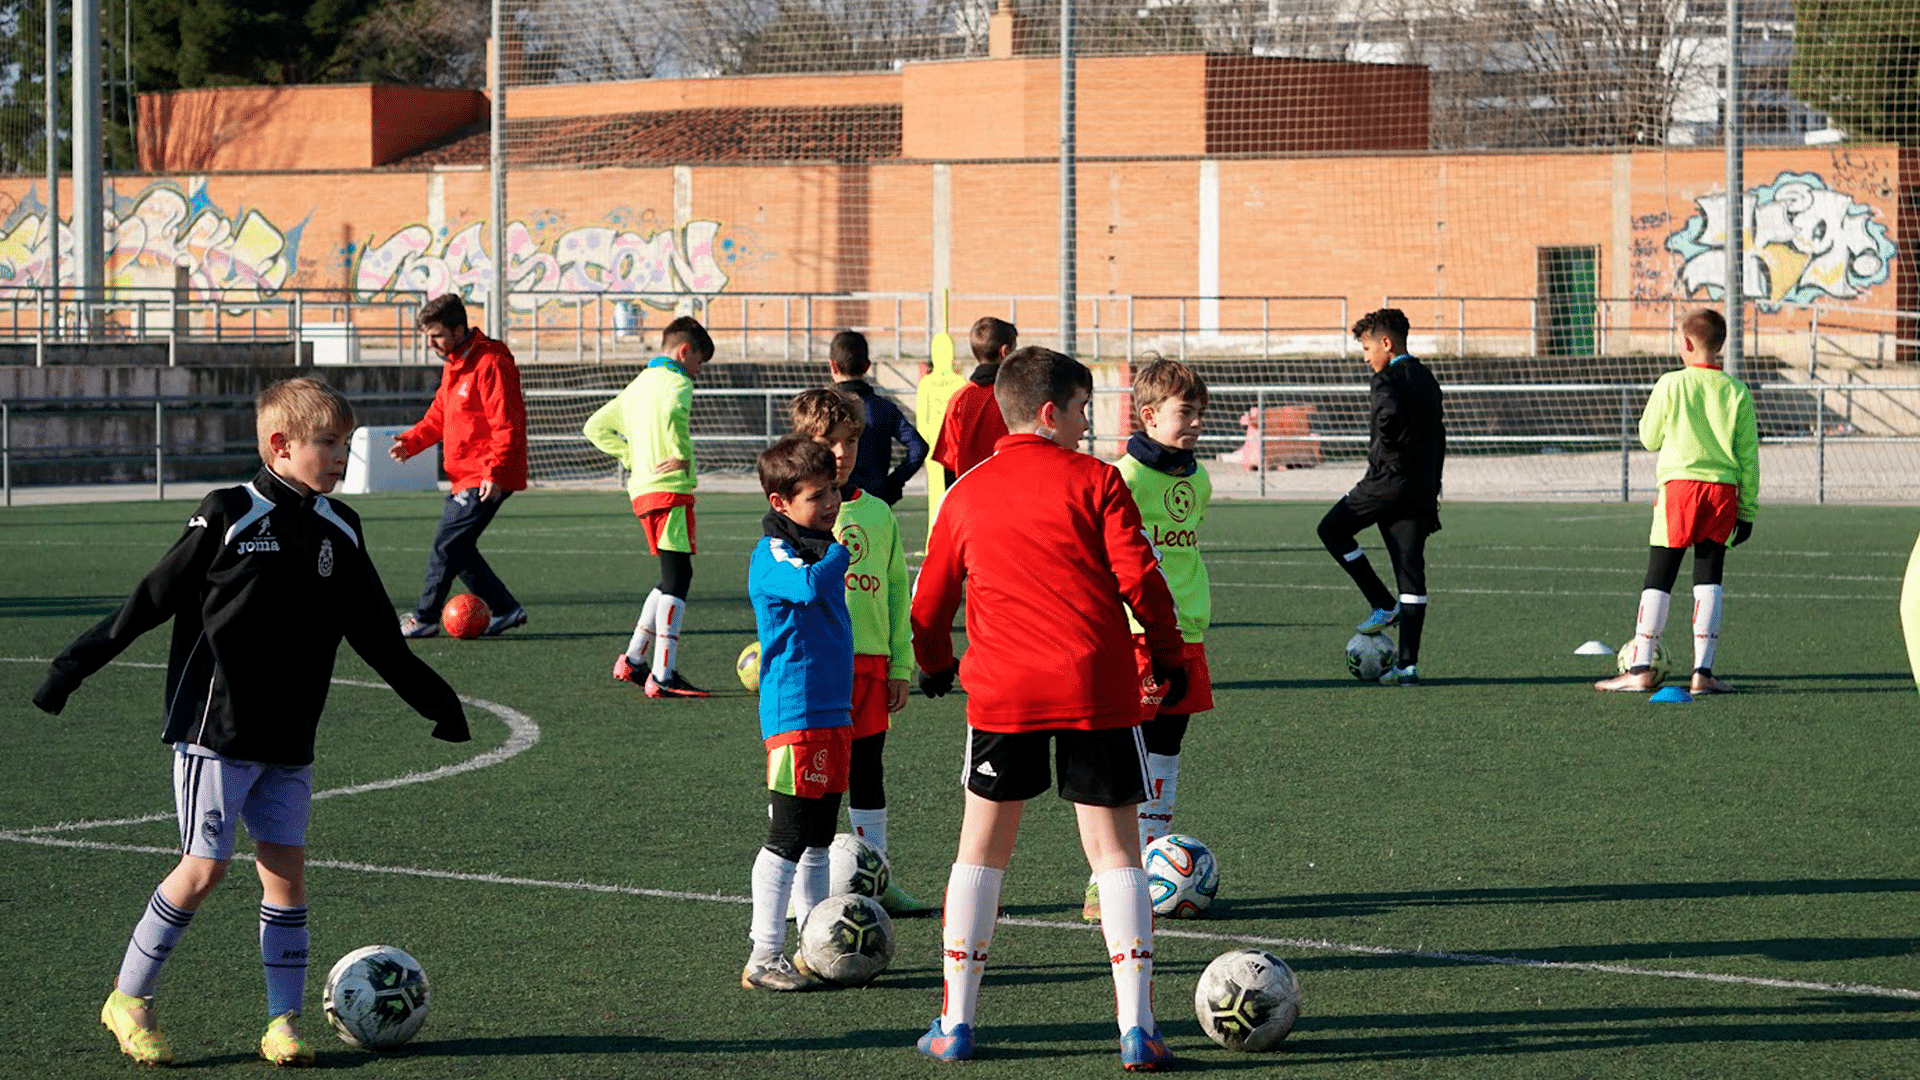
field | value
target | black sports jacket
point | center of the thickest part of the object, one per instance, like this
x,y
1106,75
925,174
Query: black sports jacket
x,y
261,588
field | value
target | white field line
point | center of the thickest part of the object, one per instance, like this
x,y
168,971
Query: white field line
x,y
1162,930
1509,568
1344,586
525,733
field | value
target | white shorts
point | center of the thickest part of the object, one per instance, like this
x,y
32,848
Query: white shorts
x,y
273,801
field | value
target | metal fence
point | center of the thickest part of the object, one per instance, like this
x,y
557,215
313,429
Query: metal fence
x,y
1571,442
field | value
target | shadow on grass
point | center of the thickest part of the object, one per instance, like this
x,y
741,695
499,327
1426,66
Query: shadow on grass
x,y
1455,1035
1354,905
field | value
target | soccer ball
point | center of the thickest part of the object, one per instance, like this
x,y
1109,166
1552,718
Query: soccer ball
x,y
747,666
855,866
1247,1000
466,616
1182,876
376,997
1658,665
848,939
1370,656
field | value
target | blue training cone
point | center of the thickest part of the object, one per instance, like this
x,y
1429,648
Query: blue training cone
x,y
1671,695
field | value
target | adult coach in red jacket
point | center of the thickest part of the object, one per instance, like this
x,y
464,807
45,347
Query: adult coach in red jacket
x,y
480,417
1048,544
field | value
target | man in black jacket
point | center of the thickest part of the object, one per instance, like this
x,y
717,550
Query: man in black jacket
x,y
263,585
1400,492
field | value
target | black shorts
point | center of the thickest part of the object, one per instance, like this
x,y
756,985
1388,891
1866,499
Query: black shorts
x,y
1097,768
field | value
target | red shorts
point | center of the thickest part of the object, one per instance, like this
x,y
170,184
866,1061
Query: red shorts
x,y
1689,511
1199,695
810,763
667,519
870,695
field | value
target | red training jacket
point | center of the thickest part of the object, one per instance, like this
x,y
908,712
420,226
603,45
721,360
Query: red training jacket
x,y
480,416
1049,544
970,429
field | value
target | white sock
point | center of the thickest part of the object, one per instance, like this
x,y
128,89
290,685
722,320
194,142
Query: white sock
x,y
1156,814
772,885
1707,600
641,643
966,932
870,825
810,884
1126,921
1648,624
667,616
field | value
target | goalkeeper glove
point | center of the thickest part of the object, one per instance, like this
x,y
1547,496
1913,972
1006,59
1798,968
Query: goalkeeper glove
x,y
1741,530
1172,677
935,684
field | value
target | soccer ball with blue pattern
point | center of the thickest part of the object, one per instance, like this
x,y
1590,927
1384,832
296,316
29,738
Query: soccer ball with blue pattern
x,y
1182,877
1247,1000
1370,656
376,997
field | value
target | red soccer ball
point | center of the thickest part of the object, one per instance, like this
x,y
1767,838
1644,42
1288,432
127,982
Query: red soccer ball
x,y
466,616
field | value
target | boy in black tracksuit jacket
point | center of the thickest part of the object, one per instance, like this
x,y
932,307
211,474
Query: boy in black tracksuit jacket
x,y
263,585
1406,454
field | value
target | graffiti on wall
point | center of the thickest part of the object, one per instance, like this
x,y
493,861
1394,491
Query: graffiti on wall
x,y
150,235
657,267
1804,241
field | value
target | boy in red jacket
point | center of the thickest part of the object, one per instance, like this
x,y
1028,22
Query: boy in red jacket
x,y
480,417
973,424
1049,545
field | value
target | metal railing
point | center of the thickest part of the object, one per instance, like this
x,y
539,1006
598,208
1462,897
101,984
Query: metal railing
x,y
1586,432
601,327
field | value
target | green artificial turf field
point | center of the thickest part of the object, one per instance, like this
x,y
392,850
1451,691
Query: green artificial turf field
x,y
1497,874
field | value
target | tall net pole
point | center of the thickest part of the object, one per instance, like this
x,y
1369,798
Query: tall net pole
x,y
88,176
497,307
1069,211
51,77
1736,197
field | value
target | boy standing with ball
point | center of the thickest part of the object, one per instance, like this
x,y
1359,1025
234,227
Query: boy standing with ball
x,y
796,580
1701,421
263,585
1172,490
1048,545
878,595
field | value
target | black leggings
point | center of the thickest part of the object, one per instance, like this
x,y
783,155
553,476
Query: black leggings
x,y
798,824
1663,565
866,786
676,573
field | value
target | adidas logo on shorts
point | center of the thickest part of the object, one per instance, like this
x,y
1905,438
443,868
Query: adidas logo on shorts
x,y
985,768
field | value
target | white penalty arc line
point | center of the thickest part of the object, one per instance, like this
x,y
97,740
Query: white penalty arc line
x,y
1283,943
522,734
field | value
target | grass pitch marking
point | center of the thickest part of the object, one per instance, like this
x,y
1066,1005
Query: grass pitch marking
x,y
523,733
1161,930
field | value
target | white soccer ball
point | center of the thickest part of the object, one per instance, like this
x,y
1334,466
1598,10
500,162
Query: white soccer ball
x,y
847,939
1182,877
855,866
1623,660
1247,1000
1370,656
376,997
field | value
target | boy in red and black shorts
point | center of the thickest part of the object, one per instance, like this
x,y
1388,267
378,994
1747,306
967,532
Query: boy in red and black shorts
x,y
1701,421
796,580
1048,545
972,424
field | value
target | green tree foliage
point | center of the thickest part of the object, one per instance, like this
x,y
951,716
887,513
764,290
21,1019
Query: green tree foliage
x,y
1859,62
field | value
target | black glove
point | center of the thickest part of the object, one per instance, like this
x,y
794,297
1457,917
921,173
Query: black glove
x,y
52,696
452,729
1741,530
1172,677
935,684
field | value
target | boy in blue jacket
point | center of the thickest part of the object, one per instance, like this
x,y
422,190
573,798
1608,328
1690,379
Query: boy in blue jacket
x,y
796,580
